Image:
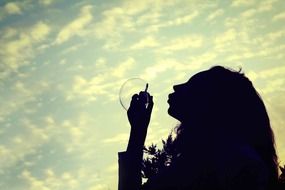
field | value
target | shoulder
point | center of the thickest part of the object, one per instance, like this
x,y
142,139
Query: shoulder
x,y
244,169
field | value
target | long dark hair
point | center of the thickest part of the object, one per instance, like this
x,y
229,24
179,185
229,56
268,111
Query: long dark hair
x,y
232,105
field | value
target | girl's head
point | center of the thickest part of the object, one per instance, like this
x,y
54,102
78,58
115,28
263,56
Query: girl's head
x,y
225,103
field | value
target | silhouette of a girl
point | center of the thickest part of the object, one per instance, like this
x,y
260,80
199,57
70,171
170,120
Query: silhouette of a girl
x,y
225,140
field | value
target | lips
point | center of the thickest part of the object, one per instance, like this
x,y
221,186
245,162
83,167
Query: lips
x,y
169,98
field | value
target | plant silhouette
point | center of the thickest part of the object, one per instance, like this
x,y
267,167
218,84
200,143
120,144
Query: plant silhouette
x,y
157,159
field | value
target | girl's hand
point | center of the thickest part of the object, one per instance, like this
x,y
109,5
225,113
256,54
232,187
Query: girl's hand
x,y
139,117
139,114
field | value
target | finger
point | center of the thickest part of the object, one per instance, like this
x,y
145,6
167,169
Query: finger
x,y
150,104
143,97
134,100
135,97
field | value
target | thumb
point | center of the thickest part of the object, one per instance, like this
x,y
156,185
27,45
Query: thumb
x,y
150,104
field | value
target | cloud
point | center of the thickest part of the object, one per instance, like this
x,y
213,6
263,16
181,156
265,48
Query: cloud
x,y
114,22
148,41
266,5
122,68
181,20
46,2
102,84
40,31
204,58
21,94
280,16
183,43
119,138
273,86
19,46
51,180
75,27
227,36
215,14
248,13
150,17
12,8
153,71
126,18
185,19
99,187
240,3
19,148
272,72
260,8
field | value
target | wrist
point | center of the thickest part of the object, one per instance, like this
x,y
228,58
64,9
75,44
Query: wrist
x,y
136,141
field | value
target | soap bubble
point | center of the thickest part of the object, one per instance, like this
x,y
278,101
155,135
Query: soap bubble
x,y
129,88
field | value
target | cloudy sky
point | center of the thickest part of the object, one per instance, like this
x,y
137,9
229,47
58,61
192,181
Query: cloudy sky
x,y
62,63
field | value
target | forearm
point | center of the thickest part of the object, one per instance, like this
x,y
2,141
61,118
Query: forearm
x,y
130,162
130,170
136,140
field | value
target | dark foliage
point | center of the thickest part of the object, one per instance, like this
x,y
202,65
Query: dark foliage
x,y
282,178
156,160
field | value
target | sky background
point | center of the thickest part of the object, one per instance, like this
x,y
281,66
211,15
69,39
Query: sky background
x,y
62,63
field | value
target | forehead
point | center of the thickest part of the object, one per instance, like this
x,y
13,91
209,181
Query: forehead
x,y
195,82
197,78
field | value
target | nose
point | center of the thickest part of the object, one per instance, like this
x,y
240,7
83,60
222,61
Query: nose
x,y
177,87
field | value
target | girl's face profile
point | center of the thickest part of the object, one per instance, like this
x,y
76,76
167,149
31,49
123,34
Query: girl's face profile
x,y
178,100
185,98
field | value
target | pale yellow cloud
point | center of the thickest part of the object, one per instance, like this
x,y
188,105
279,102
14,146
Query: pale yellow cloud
x,y
239,3
263,6
12,8
280,16
50,180
240,40
119,138
19,148
100,64
227,36
102,83
150,17
272,72
248,13
99,187
119,20
46,2
182,20
268,40
147,42
77,26
134,8
9,33
183,43
113,23
21,95
215,14
266,5
152,72
275,52
19,46
204,58
274,85
40,31
273,36
122,68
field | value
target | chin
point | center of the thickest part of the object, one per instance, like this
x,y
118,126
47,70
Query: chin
x,y
174,114
171,113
